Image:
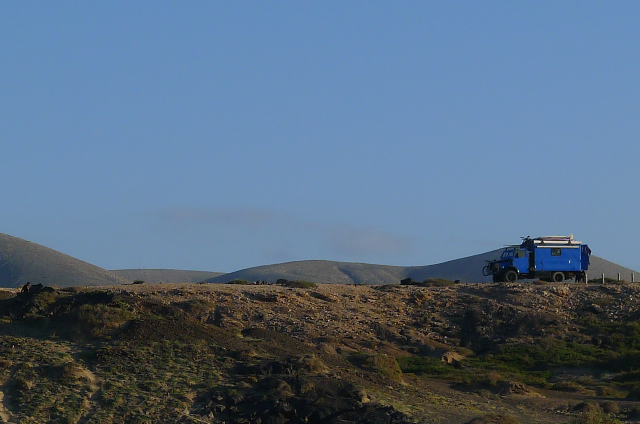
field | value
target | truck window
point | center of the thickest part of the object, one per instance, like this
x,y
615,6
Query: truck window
x,y
556,251
521,253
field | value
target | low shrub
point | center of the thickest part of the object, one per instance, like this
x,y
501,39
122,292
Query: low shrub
x,y
568,386
238,282
386,365
101,320
532,364
438,282
594,417
197,307
429,282
494,419
297,284
431,367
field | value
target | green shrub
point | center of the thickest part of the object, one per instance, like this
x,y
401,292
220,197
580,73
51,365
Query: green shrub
x,y
383,364
297,284
568,386
432,367
532,364
494,419
437,282
101,320
618,337
238,282
603,301
549,353
595,416
197,307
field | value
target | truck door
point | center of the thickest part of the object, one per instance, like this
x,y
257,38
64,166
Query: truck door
x,y
585,252
532,260
521,261
541,256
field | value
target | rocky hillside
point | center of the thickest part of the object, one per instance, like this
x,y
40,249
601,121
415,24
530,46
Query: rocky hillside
x,y
437,352
22,261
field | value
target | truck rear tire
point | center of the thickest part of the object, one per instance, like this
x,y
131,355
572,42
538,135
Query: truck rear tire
x,y
511,276
558,277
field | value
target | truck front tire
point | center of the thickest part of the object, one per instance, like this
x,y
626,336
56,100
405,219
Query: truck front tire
x,y
511,276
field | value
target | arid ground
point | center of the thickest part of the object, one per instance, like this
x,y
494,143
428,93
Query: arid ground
x,y
298,352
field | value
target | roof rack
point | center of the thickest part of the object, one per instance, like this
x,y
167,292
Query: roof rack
x,y
552,240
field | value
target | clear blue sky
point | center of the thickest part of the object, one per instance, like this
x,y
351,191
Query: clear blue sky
x,y
223,135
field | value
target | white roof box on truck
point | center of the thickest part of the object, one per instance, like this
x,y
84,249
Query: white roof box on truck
x,y
557,240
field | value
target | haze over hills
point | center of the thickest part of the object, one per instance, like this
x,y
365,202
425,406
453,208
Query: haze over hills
x,y
22,261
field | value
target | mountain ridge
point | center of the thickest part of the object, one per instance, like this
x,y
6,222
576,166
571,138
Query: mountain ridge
x,y
22,261
466,270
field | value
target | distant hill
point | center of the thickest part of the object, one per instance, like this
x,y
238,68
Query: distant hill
x,y
318,271
467,270
22,261
155,276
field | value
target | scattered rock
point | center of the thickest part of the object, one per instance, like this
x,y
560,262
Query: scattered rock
x,y
451,357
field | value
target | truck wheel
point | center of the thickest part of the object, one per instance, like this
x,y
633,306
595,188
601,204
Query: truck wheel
x,y
558,277
511,276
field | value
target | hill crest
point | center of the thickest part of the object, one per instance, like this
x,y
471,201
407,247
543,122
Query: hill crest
x,y
165,276
466,270
22,261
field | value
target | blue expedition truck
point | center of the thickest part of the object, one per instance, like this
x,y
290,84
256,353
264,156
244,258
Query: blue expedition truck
x,y
553,258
